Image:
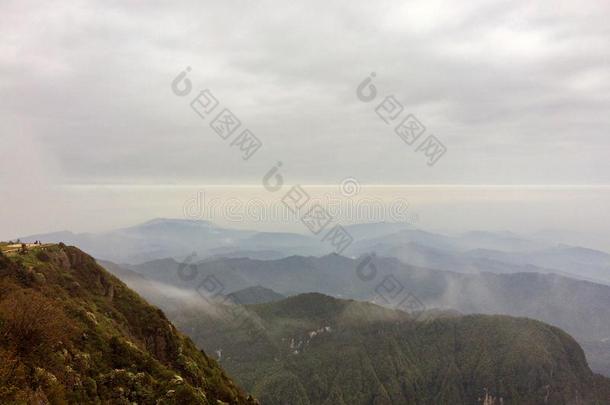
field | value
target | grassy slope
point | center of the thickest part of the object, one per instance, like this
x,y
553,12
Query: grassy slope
x,y
72,333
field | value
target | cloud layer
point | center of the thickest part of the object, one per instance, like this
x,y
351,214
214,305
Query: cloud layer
x,y
517,91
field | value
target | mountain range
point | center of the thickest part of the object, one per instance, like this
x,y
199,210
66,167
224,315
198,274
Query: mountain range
x,y
470,252
577,306
74,333
473,272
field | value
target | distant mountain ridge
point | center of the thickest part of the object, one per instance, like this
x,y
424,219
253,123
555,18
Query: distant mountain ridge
x,y
254,295
161,238
470,252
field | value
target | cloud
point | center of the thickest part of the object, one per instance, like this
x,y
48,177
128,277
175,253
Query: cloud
x,y
506,82
517,91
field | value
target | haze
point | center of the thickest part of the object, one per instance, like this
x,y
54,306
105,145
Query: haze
x,y
92,136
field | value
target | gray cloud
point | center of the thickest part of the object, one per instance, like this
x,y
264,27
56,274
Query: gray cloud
x,y
519,92
509,82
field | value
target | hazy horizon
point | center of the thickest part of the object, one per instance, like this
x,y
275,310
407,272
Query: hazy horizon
x,y
579,219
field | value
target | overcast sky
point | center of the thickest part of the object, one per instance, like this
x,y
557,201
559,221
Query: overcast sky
x,y
517,91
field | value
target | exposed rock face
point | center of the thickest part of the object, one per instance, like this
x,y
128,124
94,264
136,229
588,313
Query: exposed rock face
x,y
61,259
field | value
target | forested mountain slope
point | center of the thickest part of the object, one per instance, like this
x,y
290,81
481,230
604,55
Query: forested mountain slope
x,y
314,349
70,332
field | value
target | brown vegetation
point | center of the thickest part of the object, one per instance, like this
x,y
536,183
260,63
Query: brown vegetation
x,y
32,324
